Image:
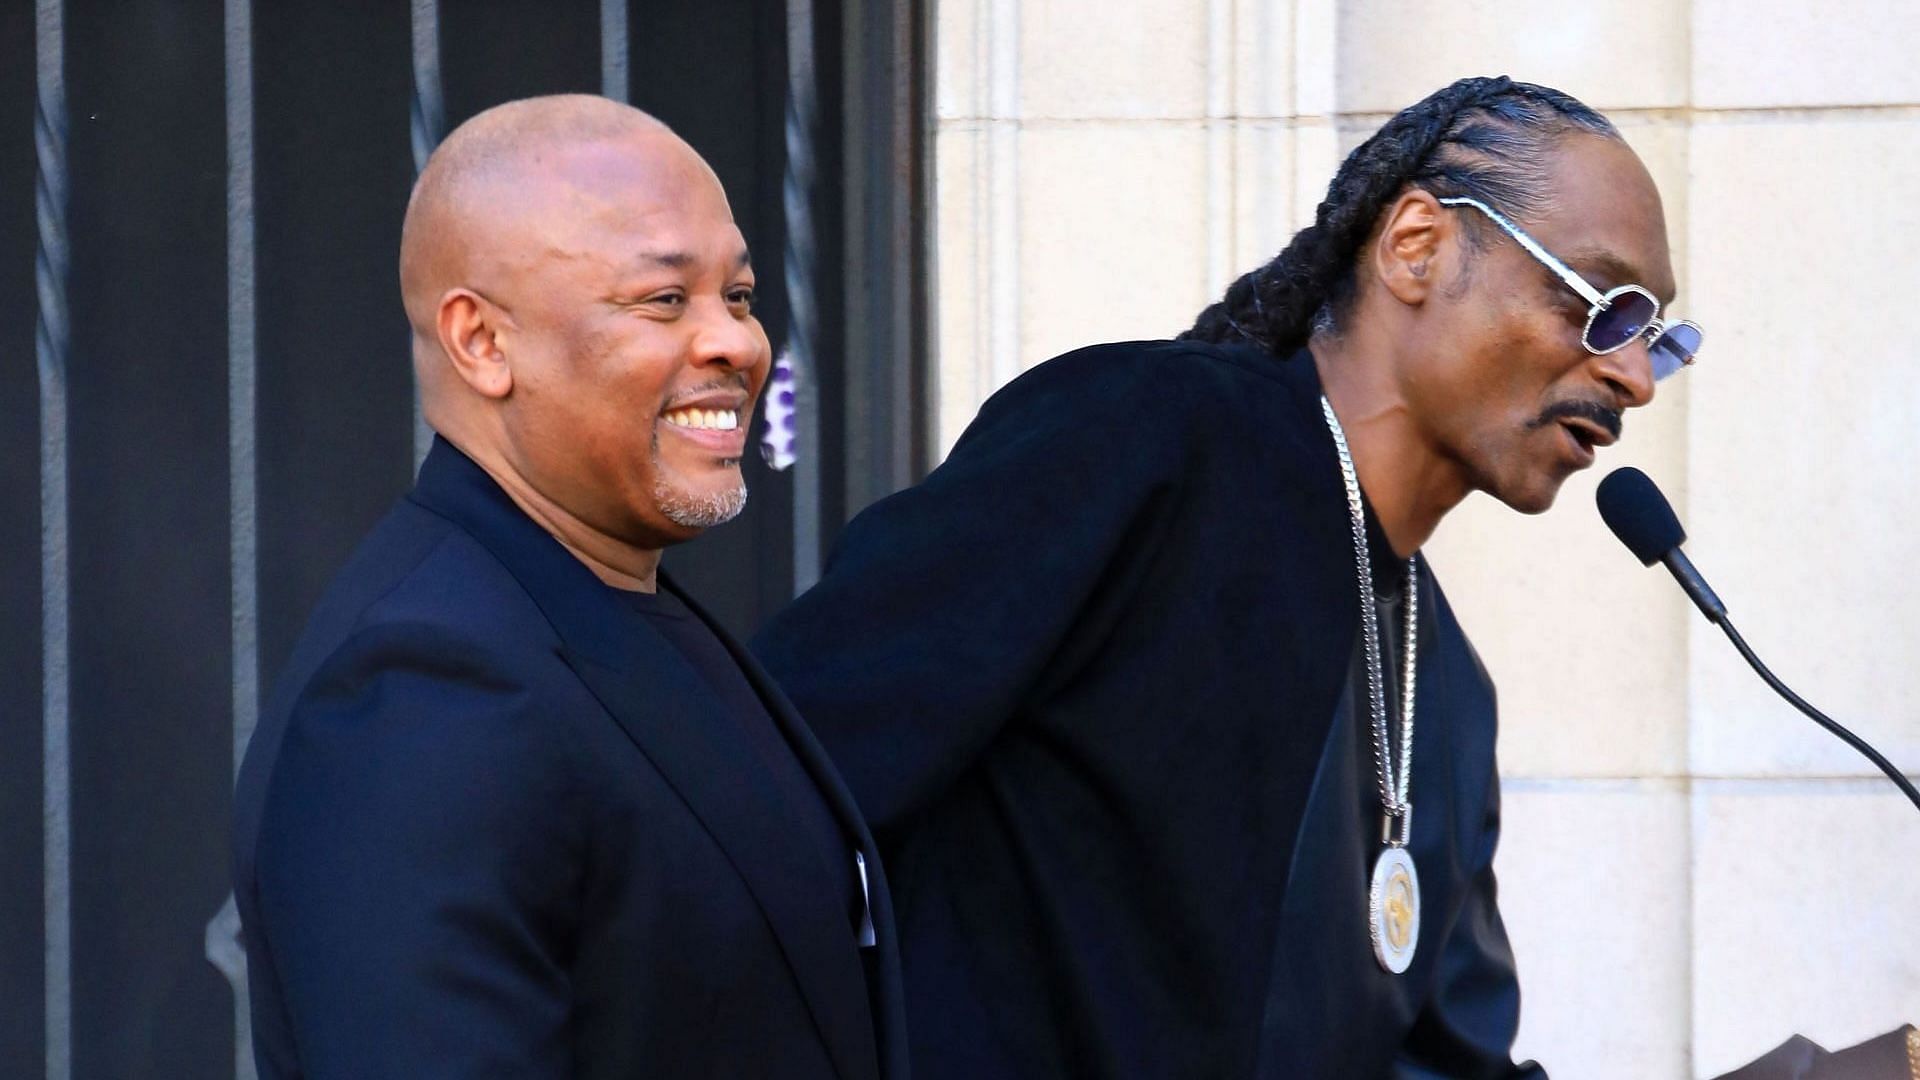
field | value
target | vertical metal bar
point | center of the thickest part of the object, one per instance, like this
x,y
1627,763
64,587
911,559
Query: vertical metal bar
x,y
614,81
883,64
241,376
223,947
51,263
922,389
865,320
429,110
803,317
428,125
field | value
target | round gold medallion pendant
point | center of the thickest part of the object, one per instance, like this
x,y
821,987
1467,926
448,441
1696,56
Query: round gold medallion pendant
x,y
1395,910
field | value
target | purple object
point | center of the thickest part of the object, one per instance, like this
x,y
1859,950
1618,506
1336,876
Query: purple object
x,y
777,441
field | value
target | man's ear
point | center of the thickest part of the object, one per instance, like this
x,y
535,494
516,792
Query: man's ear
x,y
470,328
1409,247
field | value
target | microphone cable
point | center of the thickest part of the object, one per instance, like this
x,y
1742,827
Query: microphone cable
x,y
1638,513
1818,717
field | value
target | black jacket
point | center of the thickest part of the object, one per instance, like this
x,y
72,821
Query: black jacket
x,y
1090,683
492,826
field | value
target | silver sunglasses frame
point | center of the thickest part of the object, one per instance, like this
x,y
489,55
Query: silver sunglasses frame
x,y
1597,301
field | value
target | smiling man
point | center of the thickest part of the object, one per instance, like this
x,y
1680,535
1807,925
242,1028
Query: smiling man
x,y
518,807
1141,688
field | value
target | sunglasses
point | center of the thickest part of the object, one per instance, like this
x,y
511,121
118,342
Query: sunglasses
x,y
1615,317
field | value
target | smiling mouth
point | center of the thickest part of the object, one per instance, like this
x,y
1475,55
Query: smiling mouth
x,y
704,419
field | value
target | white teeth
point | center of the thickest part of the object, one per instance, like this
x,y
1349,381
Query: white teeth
x,y
705,419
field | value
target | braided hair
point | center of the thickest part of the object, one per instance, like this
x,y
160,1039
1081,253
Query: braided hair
x,y
1483,137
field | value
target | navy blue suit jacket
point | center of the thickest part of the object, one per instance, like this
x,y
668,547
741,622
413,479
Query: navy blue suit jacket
x,y
493,825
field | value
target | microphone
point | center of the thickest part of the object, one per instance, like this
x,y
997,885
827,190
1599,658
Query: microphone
x,y
1633,507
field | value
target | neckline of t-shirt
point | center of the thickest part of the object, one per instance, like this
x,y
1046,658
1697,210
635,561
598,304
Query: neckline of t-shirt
x,y
659,604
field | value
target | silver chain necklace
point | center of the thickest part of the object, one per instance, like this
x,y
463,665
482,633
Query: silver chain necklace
x,y
1394,899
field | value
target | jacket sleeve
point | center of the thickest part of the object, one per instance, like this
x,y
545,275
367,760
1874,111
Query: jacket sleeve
x,y
414,866
946,607
1467,1027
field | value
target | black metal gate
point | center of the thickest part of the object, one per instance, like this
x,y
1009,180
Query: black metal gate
x,y
199,216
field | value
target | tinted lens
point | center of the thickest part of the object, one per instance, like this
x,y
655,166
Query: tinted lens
x,y
1671,350
1625,315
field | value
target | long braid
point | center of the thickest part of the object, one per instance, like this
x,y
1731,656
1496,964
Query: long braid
x,y
1482,137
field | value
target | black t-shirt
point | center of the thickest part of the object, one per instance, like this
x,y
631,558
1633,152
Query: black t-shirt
x,y
717,667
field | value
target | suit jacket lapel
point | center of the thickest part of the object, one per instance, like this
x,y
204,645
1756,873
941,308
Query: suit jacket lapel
x,y
672,715
675,719
812,756
826,777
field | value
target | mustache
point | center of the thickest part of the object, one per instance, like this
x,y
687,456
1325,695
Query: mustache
x,y
1577,409
733,381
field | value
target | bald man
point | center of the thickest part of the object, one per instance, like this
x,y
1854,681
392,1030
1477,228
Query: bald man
x,y
518,807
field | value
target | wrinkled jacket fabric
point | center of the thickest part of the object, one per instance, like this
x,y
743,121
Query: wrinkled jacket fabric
x,y
493,824
1090,683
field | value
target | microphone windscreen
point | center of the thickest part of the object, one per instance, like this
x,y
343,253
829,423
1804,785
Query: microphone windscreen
x,y
1632,506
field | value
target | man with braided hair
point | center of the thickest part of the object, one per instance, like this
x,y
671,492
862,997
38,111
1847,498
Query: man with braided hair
x,y
1140,688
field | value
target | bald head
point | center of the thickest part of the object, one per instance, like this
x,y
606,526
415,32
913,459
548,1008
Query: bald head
x,y
483,182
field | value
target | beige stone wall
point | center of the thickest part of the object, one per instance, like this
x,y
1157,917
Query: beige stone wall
x,y
1690,871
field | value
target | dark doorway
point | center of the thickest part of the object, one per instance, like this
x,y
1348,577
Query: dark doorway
x,y
228,405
